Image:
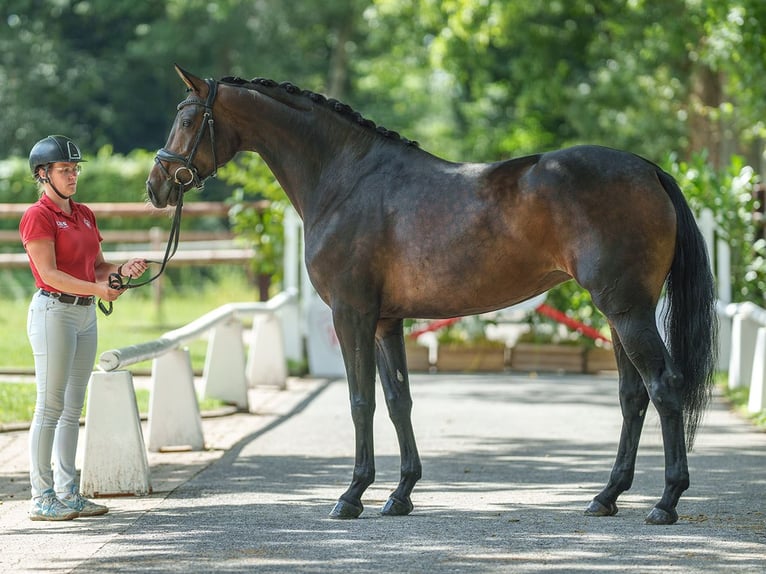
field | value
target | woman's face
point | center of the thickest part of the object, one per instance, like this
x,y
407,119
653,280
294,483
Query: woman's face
x,y
64,176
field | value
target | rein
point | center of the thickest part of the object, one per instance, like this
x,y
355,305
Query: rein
x,y
192,179
116,280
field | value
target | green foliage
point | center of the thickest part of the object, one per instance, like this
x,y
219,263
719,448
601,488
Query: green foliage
x,y
729,193
259,227
106,177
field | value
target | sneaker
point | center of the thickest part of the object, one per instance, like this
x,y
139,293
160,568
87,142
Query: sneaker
x,y
77,502
48,507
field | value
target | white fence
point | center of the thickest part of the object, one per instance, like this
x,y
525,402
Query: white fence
x,y
747,363
742,332
174,419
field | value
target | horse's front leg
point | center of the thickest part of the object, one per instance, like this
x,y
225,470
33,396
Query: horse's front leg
x,y
392,366
356,334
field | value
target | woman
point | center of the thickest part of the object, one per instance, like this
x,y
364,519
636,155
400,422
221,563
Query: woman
x,y
64,248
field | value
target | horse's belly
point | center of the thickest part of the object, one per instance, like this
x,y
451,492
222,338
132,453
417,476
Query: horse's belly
x,y
433,292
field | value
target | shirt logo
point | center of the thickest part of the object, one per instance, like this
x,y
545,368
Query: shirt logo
x,y
62,225
86,221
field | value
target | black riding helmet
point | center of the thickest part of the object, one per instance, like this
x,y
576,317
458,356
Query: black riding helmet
x,y
52,149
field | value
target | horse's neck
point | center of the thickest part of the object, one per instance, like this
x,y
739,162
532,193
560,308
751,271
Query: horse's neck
x,y
297,143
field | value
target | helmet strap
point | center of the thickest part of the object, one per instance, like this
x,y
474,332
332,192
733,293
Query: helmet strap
x,y
47,180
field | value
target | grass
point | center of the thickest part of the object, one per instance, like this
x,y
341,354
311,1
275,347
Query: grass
x,y
738,399
136,319
17,402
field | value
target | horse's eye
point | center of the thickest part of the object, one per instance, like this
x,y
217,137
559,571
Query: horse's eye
x,y
187,123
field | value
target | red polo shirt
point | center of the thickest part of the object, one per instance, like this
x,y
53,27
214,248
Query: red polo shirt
x,y
75,236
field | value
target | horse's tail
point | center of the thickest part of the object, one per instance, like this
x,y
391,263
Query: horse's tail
x,y
691,323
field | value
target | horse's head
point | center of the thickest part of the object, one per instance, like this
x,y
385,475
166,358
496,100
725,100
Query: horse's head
x,y
190,155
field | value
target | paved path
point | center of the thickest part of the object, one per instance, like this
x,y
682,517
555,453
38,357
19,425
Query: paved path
x,y
510,461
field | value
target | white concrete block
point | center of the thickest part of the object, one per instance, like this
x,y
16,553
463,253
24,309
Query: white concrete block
x,y
174,418
266,364
114,459
224,376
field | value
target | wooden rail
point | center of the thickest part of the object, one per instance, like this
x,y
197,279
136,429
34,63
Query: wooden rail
x,y
137,209
187,253
135,236
182,257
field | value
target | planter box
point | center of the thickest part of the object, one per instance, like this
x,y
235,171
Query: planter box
x,y
471,358
417,358
536,357
598,359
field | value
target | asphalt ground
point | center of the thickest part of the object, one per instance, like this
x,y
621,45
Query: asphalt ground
x,y
509,463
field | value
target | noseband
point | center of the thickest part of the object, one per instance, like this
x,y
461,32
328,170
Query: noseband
x,y
187,174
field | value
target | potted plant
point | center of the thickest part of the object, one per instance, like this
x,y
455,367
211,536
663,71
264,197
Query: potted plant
x,y
464,347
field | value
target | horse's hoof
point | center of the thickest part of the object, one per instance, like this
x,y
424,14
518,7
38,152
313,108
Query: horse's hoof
x,y
595,508
344,510
660,516
395,507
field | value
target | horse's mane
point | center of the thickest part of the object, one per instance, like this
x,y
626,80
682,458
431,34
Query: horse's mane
x,y
332,104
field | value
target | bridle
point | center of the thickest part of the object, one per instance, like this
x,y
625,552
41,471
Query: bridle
x,y
187,166
115,280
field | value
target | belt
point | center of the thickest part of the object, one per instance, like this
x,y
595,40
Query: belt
x,y
67,298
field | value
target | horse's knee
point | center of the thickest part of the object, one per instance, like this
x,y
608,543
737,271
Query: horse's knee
x,y
362,411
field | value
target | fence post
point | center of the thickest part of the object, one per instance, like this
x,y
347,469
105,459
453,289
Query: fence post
x,y
224,376
743,333
756,402
174,419
114,459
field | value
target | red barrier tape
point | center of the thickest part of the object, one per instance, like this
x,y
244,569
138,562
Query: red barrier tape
x,y
573,324
434,326
543,309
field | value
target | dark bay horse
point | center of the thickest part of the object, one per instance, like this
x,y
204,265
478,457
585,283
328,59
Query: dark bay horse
x,y
392,232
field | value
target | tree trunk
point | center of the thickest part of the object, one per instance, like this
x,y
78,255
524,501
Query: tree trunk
x,y
705,124
264,283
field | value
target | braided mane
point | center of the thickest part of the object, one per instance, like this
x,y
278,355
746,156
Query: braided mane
x,y
332,104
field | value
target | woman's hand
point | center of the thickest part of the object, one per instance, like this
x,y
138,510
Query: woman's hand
x,y
134,268
106,292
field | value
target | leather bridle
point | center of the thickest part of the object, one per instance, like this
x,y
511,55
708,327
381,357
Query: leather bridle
x,y
187,168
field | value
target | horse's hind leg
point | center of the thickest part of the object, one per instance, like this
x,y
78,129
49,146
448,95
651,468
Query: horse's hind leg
x,y
392,366
641,342
633,401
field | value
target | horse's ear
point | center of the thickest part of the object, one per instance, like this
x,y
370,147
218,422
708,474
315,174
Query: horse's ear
x,y
192,82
